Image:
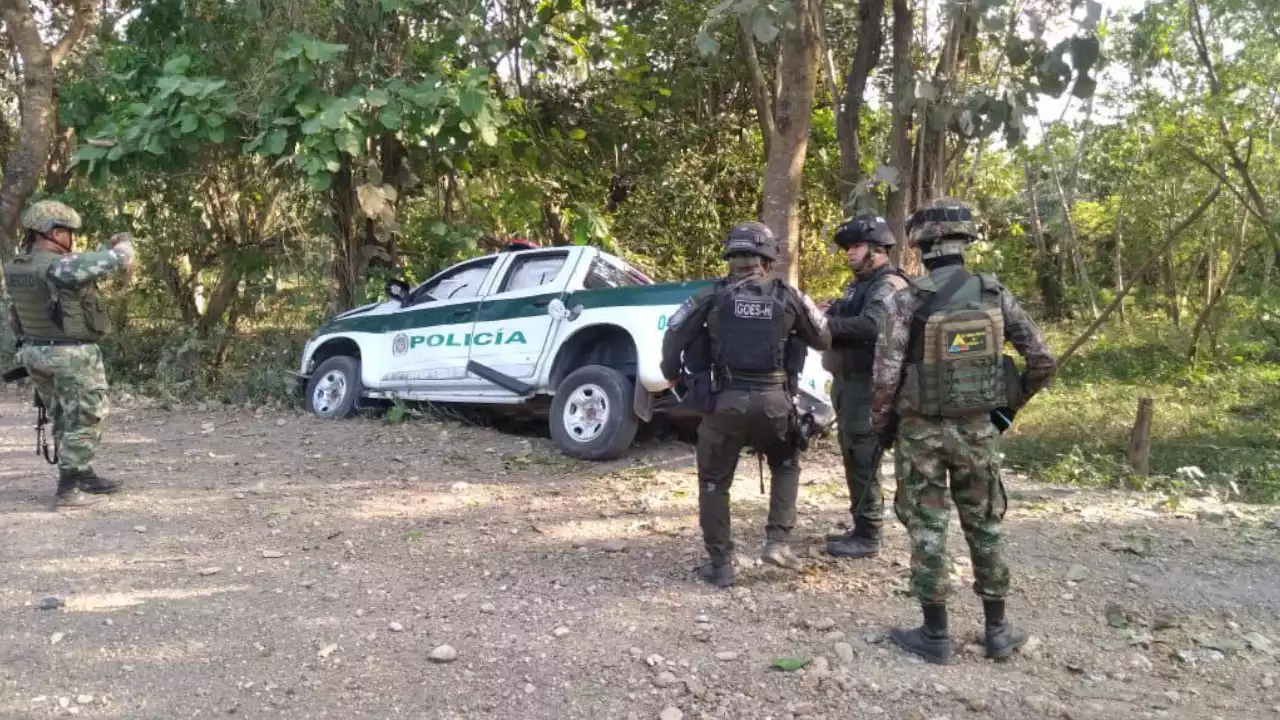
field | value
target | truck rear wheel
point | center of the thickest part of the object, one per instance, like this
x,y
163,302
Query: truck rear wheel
x,y
592,416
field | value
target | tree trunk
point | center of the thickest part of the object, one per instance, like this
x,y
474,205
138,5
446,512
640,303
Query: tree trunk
x,y
1047,276
865,59
1218,290
900,137
783,172
24,165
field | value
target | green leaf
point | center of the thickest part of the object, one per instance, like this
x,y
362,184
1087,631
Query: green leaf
x,y
470,102
275,142
578,134
177,65
166,85
377,97
90,152
217,133
396,414
390,117
489,135
190,123
334,115
320,181
312,126
789,664
322,51
349,143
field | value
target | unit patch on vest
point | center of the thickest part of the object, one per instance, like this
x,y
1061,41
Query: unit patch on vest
x,y
753,309
966,343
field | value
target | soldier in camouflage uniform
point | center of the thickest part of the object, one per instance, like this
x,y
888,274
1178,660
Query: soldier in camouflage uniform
x,y
756,328
855,323
941,376
58,317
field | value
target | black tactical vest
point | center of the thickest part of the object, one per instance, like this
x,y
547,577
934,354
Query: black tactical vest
x,y
749,325
860,355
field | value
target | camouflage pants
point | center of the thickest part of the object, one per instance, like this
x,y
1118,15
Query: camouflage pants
x,y
73,386
759,418
927,451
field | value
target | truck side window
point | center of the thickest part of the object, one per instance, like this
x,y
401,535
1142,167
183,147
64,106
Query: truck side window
x,y
604,275
534,271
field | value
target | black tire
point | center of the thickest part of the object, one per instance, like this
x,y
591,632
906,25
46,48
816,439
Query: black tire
x,y
345,370
589,440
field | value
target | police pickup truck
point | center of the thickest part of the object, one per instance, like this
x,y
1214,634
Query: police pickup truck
x,y
573,325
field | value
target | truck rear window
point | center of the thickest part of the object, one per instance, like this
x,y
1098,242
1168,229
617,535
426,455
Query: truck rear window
x,y
605,275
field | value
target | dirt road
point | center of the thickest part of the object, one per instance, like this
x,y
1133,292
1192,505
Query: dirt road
x,y
270,565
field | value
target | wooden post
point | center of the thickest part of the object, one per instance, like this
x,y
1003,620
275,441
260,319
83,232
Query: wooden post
x,y
1139,454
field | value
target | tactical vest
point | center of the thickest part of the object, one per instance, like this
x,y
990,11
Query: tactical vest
x,y
48,312
860,355
957,350
749,325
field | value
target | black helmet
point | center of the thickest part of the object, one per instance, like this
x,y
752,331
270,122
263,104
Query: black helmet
x,y
869,229
753,238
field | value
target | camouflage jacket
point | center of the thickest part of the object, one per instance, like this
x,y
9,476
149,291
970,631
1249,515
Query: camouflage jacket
x,y
895,336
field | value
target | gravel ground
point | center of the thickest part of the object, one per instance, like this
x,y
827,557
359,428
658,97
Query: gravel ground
x,y
266,564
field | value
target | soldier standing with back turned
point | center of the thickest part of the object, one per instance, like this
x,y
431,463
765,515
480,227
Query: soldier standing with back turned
x,y
750,330
855,323
58,316
940,369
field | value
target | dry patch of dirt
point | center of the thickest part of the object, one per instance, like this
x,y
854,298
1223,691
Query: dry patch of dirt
x,y
266,564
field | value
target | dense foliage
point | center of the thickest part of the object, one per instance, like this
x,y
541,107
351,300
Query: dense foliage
x,y
280,160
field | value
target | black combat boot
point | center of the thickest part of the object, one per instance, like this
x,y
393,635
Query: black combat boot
x,y
91,482
861,542
930,641
69,494
1002,638
720,575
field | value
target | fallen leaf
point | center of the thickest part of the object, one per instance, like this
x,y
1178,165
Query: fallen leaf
x,y
789,664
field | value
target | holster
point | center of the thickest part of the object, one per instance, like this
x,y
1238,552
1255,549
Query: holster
x,y
702,391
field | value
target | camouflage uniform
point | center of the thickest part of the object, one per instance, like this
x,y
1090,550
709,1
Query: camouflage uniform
x,y
749,408
931,447
61,354
855,323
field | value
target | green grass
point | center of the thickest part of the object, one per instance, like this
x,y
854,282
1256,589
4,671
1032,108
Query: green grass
x,y
1222,417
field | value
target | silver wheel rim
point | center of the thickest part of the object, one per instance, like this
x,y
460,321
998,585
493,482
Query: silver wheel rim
x,y
329,392
586,413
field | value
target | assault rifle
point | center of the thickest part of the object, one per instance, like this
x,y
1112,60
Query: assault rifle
x,y
15,374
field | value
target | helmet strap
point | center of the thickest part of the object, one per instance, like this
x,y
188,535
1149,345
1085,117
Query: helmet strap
x,y
52,240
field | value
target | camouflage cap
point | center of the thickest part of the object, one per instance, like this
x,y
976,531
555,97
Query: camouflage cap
x,y
942,219
752,238
46,215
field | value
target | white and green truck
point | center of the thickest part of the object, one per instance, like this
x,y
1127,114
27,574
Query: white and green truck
x,y
574,326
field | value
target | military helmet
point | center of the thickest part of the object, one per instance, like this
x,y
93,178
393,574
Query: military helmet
x,y
46,215
944,226
869,229
753,238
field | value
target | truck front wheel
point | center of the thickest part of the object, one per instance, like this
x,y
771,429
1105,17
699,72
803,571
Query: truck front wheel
x,y
592,416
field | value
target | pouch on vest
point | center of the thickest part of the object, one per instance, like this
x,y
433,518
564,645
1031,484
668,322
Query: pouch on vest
x,y
962,372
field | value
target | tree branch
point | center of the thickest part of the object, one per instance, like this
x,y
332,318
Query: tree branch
x,y
79,25
759,85
1170,239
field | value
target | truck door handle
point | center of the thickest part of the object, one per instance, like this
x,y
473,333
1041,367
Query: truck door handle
x,y
542,303
460,313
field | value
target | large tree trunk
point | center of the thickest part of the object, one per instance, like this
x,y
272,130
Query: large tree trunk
x,y
24,165
900,136
783,172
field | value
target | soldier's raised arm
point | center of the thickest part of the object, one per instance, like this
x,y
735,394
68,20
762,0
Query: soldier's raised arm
x,y
1026,336
891,351
76,269
811,325
682,327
